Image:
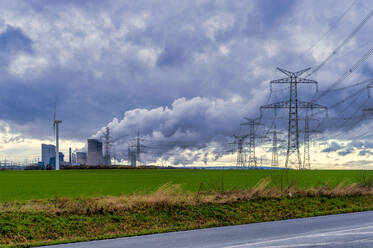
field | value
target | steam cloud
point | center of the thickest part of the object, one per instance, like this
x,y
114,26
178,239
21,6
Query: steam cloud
x,y
196,125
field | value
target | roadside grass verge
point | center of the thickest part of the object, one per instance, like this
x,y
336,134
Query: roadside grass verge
x,y
63,219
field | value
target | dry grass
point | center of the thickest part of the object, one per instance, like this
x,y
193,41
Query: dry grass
x,y
63,219
172,195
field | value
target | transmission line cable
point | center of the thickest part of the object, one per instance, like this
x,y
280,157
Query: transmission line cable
x,y
344,42
332,27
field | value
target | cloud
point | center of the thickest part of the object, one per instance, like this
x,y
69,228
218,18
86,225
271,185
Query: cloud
x,y
14,40
333,147
154,60
359,163
188,123
362,147
345,152
13,43
365,152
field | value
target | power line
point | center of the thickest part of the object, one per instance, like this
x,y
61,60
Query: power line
x,y
332,27
344,42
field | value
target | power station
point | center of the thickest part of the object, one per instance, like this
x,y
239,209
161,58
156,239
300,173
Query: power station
x,y
95,155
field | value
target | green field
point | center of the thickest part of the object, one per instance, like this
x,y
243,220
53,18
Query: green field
x,y
26,185
70,211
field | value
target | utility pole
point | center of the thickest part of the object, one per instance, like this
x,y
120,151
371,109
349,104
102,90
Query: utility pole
x,y
293,159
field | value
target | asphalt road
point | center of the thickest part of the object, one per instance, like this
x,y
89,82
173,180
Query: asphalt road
x,y
337,231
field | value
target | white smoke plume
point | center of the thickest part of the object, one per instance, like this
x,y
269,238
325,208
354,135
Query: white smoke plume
x,y
188,128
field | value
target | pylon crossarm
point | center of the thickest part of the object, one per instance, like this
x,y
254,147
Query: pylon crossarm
x,y
294,74
298,80
284,104
280,81
288,80
251,123
298,73
248,119
310,105
286,72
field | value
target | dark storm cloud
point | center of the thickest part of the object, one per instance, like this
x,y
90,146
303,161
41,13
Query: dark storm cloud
x,y
346,152
13,40
333,147
172,56
362,147
272,11
160,66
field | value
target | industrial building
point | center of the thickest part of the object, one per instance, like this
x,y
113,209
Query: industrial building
x,y
81,158
52,160
95,156
47,152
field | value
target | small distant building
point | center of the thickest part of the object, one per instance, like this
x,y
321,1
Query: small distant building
x,y
47,152
73,158
52,160
95,156
81,158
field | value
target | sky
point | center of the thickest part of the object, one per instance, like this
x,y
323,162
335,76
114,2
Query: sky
x,y
182,73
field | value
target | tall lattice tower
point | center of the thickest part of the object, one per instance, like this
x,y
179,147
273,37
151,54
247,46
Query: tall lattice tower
x,y
107,147
241,155
275,162
139,148
293,159
307,141
252,123
275,132
306,154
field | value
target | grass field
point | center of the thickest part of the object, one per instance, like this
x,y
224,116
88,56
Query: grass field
x,y
27,185
46,207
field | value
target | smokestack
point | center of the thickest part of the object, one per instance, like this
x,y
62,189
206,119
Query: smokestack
x,y
70,156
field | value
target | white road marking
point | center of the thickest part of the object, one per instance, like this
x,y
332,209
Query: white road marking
x,y
344,233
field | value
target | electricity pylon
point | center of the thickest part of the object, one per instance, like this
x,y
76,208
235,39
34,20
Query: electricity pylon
x,y
275,132
107,147
138,147
241,155
306,144
293,159
275,147
252,123
306,141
